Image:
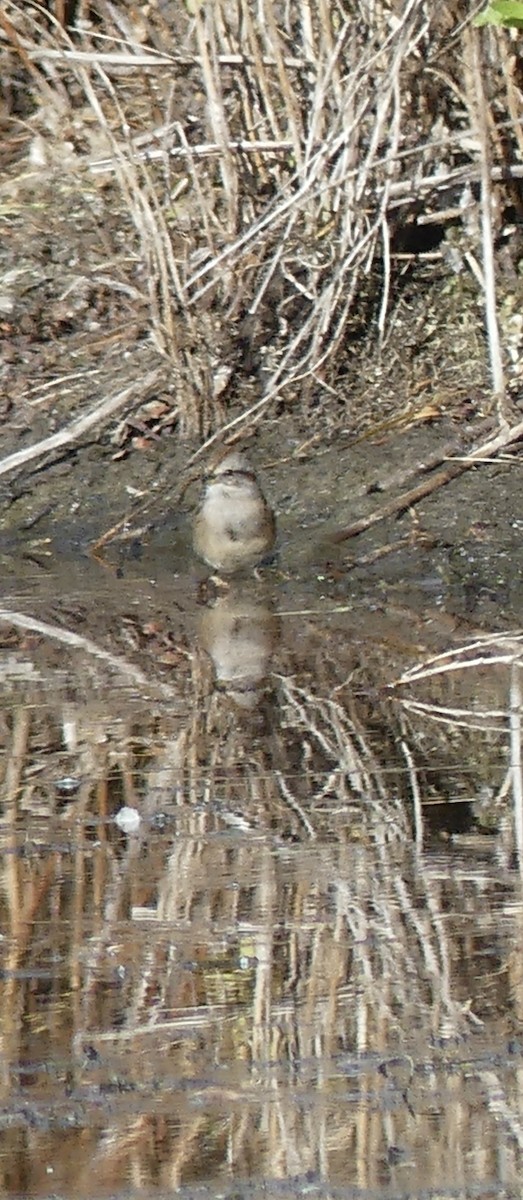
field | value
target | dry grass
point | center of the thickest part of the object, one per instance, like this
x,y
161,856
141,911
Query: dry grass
x,y
271,169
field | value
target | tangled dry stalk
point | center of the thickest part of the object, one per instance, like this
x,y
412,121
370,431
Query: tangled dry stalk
x,y
273,168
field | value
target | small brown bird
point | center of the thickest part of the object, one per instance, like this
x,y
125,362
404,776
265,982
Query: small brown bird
x,y
234,527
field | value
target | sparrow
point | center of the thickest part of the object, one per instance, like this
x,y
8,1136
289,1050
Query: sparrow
x,y
234,527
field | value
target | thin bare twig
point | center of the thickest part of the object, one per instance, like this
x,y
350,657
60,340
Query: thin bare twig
x,y
491,319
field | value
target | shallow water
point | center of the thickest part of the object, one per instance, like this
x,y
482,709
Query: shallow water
x,y
253,936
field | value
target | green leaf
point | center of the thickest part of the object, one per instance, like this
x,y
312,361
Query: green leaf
x,y
502,12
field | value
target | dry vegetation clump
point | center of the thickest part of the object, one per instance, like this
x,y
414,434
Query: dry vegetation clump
x,y
285,196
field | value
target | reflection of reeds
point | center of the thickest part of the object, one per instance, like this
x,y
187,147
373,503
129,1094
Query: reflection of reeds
x,y
269,969
485,676
85,645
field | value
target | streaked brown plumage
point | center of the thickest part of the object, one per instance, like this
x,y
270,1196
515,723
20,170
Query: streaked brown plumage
x,y
234,528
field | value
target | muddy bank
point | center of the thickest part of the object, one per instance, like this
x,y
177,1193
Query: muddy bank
x,y
460,549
